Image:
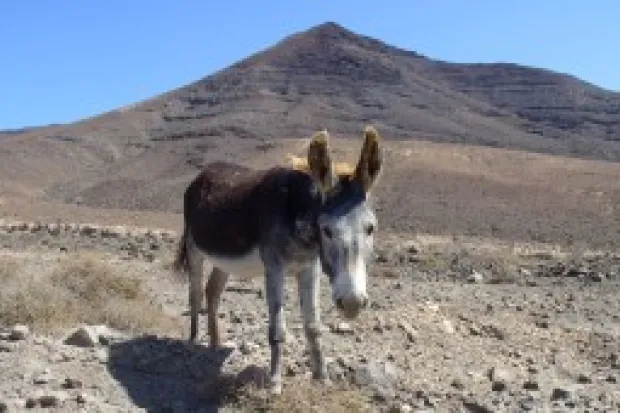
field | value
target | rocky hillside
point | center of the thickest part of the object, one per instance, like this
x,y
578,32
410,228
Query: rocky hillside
x,y
141,156
331,77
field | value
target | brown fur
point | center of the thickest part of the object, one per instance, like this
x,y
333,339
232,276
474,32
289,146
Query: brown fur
x,y
217,196
342,169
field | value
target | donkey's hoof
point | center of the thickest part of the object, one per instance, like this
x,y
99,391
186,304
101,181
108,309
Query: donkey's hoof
x,y
323,379
275,386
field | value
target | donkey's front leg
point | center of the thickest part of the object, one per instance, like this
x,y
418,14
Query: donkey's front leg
x,y
274,286
308,288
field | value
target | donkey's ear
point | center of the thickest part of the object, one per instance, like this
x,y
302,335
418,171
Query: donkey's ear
x,y
368,167
320,160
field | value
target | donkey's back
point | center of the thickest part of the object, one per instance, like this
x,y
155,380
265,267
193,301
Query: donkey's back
x,y
220,208
230,210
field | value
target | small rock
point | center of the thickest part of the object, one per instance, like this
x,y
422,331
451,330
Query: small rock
x,y
6,348
499,379
561,393
495,332
230,344
19,332
343,328
401,408
611,379
379,376
583,379
476,406
83,337
457,384
597,277
248,347
43,378
30,402
70,383
475,330
432,307
81,398
531,385
475,277
527,405
448,327
4,408
102,356
52,400
290,371
409,330
105,335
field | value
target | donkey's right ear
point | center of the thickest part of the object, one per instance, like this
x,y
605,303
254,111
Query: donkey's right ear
x,y
320,161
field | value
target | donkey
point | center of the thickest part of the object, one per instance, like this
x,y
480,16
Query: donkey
x,y
308,219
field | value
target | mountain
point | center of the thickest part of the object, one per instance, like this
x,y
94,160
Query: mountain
x,y
331,77
258,109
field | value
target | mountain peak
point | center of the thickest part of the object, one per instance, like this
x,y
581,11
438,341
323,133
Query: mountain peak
x,y
328,28
321,41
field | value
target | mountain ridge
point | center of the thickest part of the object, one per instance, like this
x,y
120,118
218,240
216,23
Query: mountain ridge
x,y
140,156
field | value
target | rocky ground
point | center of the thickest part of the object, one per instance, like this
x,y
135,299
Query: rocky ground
x,y
455,325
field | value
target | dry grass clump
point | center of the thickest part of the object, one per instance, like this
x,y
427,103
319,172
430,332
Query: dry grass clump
x,y
79,289
304,395
246,391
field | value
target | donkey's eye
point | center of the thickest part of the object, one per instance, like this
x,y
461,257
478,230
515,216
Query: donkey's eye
x,y
327,232
370,229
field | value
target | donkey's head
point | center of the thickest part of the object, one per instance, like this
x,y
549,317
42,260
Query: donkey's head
x,y
346,222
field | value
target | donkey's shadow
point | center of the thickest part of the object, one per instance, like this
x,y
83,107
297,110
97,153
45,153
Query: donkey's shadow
x,y
170,375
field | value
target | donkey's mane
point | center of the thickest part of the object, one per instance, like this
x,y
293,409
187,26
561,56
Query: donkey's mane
x,y
342,169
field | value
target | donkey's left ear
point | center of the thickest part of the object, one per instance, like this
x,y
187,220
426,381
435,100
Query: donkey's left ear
x,y
369,165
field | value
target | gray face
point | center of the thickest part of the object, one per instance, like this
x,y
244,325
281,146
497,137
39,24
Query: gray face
x,y
345,221
346,236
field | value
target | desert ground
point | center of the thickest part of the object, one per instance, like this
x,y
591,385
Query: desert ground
x,y
461,319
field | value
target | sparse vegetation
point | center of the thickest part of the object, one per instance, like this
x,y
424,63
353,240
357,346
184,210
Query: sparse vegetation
x,y
79,289
305,395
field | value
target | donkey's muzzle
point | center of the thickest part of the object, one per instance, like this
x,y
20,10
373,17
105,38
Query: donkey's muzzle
x,y
351,306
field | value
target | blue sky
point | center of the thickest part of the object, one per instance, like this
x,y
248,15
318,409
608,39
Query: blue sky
x,y
64,60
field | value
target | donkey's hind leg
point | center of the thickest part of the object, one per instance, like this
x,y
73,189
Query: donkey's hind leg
x,y
195,261
214,288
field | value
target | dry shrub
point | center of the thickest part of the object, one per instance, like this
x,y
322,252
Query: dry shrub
x,y
435,261
81,289
301,395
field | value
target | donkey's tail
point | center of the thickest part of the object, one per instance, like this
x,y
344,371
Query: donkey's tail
x,y
180,263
